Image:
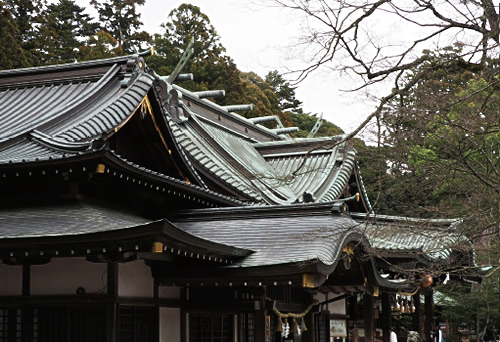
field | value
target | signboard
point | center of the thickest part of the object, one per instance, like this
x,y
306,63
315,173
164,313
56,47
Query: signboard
x,y
338,327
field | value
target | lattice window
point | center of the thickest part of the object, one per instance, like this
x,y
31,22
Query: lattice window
x,y
71,324
321,327
136,324
247,327
211,328
10,325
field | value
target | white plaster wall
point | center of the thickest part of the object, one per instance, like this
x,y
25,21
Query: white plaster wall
x,y
65,275
170,325
169,292
11,280
337,307
135,280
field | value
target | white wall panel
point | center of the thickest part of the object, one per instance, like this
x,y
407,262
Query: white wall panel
x,y
65,275
11,280
135,280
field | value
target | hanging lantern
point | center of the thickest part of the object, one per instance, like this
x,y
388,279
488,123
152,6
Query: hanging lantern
x,y
412,306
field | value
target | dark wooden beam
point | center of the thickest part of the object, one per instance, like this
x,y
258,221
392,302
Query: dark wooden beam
x,y
27,312
112,289
260,315
416,317
428,316
386,316
368,317
156,318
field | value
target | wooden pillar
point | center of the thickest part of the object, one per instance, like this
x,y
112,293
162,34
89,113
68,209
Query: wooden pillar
x,y
368,317
308,336
184,314
260,315
386,316
27,311
156,318
428,316
351,307
416,317
112,282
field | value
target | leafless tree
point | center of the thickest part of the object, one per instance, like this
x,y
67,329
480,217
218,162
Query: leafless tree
x,y
381,40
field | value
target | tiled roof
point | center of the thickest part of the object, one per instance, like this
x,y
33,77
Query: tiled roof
x,y
74,109
85,222
71,218
276,238
432,239
201,152
279,178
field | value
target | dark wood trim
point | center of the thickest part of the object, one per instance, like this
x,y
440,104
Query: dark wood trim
x,y
428,316
26,280
386,316
416,317
260,315
184,327
369,321
112,290
27,313
223,307
156,317
78,300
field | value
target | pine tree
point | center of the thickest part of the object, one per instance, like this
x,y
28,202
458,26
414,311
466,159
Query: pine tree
x,y
11,52
27,15
211,68
65,28
285,92
121,19
99,46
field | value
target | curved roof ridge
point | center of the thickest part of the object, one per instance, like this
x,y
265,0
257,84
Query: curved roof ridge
x,y
340,179
175,180
198,151
66,66
115,111
54,114
265,180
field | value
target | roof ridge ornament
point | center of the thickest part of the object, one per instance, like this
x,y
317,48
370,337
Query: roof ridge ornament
x,y
132,66
316,127
177,113
182,62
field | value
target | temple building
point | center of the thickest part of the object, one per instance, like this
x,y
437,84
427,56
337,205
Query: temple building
x,y
133,210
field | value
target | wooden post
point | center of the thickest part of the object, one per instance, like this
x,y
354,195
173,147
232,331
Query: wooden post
x,y
156,318
260,315
112,282
27,311
308,336
368,317
428,316
416,317
386,316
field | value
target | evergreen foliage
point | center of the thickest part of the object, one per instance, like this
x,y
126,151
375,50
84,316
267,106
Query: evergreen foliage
x,y
121,19
11,52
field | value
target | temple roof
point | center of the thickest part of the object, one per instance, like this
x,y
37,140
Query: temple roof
x,y
134,126
277,234
58,112
434,239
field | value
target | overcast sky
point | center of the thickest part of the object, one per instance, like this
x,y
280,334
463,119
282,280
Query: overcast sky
x,y
257,37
